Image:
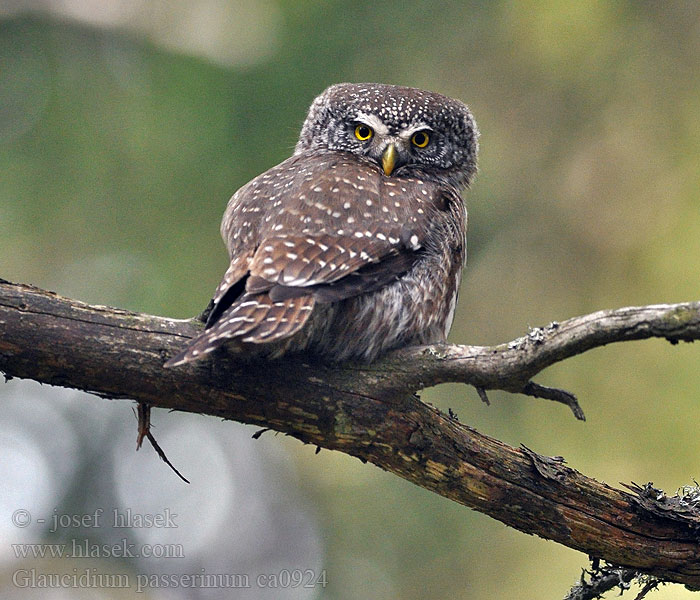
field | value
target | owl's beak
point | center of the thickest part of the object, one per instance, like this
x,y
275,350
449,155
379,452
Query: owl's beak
x,y
389,157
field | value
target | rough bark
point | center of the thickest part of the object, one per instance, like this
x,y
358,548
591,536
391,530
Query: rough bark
x,y
371,412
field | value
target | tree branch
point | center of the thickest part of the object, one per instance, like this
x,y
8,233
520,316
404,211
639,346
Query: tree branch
x,y
370,411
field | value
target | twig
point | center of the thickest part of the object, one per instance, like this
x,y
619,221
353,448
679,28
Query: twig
x,y
548,393
144,431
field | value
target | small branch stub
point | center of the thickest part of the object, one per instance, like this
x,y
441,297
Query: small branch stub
x,y
144,431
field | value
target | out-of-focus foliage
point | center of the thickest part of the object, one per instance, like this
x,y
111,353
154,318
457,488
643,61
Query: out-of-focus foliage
x,y
124,131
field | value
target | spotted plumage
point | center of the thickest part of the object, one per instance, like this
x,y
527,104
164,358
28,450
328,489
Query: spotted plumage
x,y
355,244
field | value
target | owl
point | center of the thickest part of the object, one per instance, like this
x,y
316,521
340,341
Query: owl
x,y
355,244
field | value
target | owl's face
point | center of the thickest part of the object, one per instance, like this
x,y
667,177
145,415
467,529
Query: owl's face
x,y
405,131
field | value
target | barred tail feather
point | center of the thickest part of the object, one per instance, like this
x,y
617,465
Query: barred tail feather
x,y
254,318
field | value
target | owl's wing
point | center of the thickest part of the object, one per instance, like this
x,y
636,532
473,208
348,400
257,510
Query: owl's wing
x,y
330,267
345,231
280,295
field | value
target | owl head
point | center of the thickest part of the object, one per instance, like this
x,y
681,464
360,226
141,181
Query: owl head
x,y
405,131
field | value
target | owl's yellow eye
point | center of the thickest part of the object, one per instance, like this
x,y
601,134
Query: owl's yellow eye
x,y
420,139
363,132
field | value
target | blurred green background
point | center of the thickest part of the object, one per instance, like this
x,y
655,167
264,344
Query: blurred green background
x,y
125,126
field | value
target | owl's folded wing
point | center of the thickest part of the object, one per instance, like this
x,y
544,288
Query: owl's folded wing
x,y
331,267
274,291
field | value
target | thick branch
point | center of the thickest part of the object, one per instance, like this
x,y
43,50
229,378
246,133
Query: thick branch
x,y
369,411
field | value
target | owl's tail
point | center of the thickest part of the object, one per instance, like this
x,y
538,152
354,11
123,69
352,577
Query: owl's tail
x,y
253,318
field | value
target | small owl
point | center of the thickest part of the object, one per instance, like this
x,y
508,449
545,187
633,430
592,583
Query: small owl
x,y
355,244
